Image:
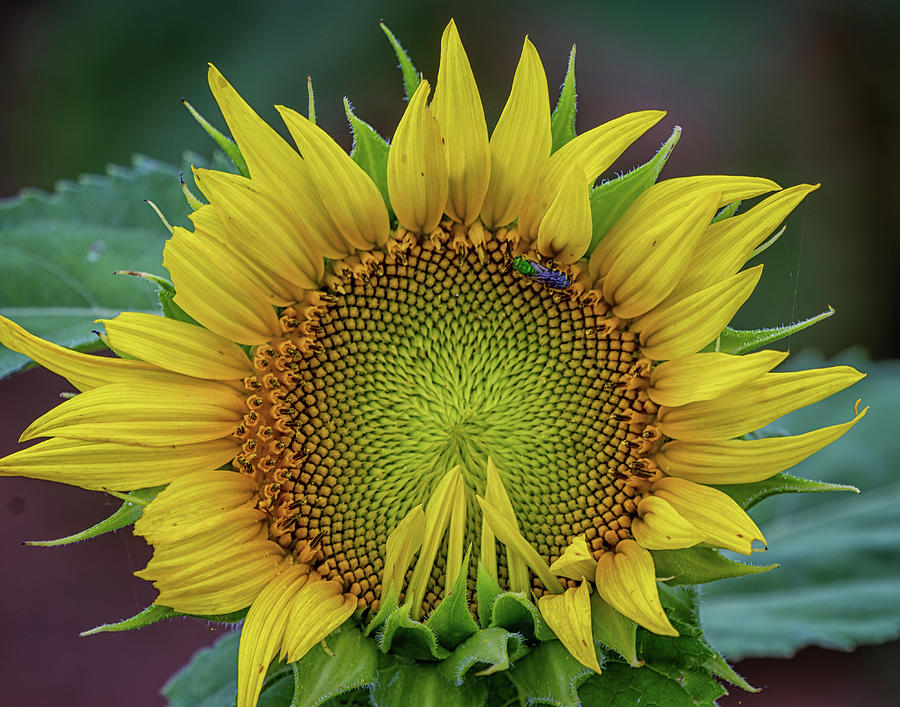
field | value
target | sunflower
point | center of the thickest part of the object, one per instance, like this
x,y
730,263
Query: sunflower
x,y
388,388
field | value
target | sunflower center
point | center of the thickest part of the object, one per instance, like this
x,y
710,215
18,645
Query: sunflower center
x,y
430,357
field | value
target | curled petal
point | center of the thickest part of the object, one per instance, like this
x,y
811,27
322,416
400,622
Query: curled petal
x,y
721,521
417,169
626,580
569,616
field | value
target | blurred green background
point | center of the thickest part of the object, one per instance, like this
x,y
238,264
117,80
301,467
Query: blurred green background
x,y
796,91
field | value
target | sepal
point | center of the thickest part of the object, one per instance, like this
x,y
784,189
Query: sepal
x,y
404,636
165,291
515,612
562,120
727,211
127,514
614,630
411,76
699,565
370,151
748,495
736,341
494,648
610,199
486,591
231,150
153,613
451,622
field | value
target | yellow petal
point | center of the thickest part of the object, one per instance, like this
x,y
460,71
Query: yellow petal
x,y
725,246
626,580
437,518
744,462
565,230
660,527
216,291
263,631
226,582
509,535
663,198
455,536
349,195
218,229
520,144
257,225
576,561
731,188
594,151
704,376
457,107
318,609
403,542
417,169
495,494
177,346
84,371
276,167
687,326
119,467
569,616
217,564
721,521
153,415
193,494
658,253
753,405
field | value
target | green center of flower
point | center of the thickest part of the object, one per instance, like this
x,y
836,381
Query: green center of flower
x,y
437,357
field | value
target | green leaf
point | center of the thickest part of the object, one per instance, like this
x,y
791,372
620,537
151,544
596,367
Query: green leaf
x,y
351,665
60,250
562,121
515,612
682,659
748,495
370,151
127,514
451,621
209,679
405,684
231,150
495,648
550,675
411,77
412,639
735,341
613,630
839,553
699,565
486,591
719,667
610,199
623,685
